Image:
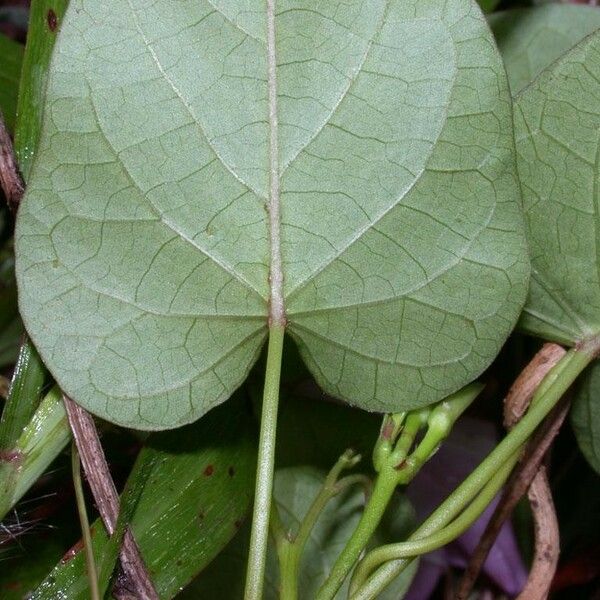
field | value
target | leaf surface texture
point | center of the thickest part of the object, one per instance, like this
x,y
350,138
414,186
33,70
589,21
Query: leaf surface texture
x,y
145,245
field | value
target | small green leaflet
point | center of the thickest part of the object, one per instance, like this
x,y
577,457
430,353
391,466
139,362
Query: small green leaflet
x,y
184,192
530,39
585,416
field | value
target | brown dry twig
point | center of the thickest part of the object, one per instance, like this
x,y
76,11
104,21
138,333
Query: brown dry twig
x,y
10,178
137,583
546,532
547,539
530,473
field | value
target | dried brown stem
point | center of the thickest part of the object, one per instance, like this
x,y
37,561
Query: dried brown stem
x,y
10,177
527,474
547,539
519,396
136,583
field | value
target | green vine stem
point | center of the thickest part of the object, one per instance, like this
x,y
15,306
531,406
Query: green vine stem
x,y
552,388
380,498
330,488
417,547
90,563
257,556
396,466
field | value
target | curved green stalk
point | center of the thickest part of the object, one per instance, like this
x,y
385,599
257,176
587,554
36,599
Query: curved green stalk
x,y
90,563
417,547
264,473
290,550
552,388
396,465
380,498
331,487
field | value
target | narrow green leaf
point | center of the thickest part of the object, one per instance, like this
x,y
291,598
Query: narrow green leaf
x,y
144,468
195,497
10,323
377,137
40,442
29,371
557,121
531,39
295,488
11,57
24,397
45,18
106,550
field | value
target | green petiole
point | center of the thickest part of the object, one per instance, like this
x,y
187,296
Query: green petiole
x,y
264,474
90,563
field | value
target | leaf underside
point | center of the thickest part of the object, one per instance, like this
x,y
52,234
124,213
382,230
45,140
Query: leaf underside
x,y
144,242
557,129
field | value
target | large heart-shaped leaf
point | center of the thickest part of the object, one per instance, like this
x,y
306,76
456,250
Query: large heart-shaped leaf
x,y
530,39
207,165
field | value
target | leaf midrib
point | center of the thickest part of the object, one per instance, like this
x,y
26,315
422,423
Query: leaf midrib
x,y
277,299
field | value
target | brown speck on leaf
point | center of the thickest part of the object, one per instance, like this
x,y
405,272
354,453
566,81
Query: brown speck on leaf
x,y
52,20
71,552
387,431
238,523
201,515
209,470
14,586
231,471
10,456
